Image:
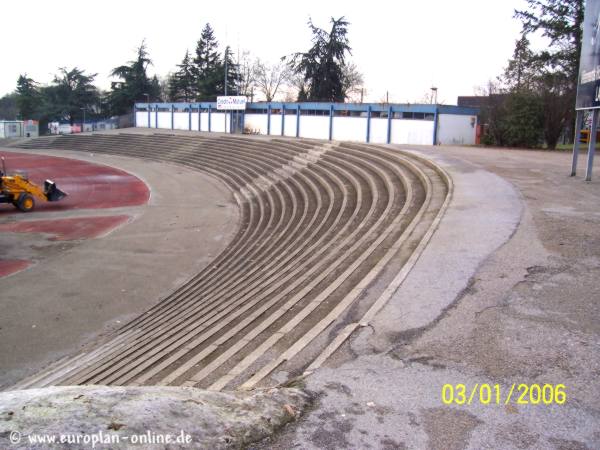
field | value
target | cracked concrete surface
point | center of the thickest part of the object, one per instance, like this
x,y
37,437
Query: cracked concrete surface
x,y
526,312
143,417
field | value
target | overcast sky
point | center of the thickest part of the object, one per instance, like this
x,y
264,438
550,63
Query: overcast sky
x,y
401,46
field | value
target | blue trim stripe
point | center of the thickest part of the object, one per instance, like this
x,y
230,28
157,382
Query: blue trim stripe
x,y
318,106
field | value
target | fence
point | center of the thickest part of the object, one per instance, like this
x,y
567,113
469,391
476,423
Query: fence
x,y
100,125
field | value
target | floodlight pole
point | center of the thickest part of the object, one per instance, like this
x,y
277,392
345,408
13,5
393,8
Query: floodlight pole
x,y
225,82
433,95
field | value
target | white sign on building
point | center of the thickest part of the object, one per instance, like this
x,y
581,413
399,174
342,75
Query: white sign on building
x,y
231,102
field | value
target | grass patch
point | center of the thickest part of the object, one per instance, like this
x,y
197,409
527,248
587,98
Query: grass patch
x,y
569,147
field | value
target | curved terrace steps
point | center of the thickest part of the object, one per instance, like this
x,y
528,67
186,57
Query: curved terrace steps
x,y
324,229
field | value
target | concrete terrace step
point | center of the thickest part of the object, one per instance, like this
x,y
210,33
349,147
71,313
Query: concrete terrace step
x,y
320,223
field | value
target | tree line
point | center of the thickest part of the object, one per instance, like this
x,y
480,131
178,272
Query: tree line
x,y
532,103
322,73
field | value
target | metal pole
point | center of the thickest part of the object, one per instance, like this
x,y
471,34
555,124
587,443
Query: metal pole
x,y
433,98
149,109
226,112
591,145
389,125
368,123
578,124
435,126
330,122
226,53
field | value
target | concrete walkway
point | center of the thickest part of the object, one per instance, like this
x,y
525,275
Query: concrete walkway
x,y
506,292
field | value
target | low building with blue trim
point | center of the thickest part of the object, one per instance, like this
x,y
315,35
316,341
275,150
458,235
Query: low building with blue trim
x,y
362,122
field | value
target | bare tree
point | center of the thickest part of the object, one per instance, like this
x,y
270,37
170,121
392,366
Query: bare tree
x,y
353,83
247,69
296,88
271,77
163,85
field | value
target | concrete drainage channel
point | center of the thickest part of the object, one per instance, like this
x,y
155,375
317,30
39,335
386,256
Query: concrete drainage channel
x,y
327,233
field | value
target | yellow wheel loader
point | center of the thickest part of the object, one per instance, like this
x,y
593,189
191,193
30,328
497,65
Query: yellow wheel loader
x,y
18,190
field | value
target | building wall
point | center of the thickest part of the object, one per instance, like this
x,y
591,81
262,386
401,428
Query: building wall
x,y
349,129
408,131
11,129
218,122
275,124
410,124
181,121
164,119
195,121
290,125
379,128
456,129
256,123
314,127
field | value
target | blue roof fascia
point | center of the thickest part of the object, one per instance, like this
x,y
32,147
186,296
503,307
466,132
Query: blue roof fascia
x,y
323,106
457,110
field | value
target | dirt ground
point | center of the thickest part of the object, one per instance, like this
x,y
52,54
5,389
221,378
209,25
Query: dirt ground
x,y
530,314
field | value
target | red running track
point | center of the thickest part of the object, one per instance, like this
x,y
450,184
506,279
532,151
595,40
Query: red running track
x,y
10,266
89,185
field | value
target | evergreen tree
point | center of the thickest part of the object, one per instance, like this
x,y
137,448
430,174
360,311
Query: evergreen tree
x,y
525,120
207,66
182,85
134,85
561,21
156,89
302,94
8,107
28,97
70,93
323,64
233,74
523,67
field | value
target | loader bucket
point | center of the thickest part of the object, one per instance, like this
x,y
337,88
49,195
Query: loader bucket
x,y
53,194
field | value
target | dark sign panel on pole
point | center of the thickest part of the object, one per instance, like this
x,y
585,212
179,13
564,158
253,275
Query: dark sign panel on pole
x,y
588,88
